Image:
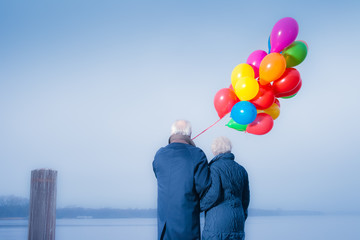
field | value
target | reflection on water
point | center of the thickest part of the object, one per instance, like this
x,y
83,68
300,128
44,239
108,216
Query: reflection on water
x,y
257,228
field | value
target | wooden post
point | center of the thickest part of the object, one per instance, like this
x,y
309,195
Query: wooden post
x,y
42,218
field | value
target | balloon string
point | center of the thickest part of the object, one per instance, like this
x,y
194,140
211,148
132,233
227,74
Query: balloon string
x,y
208,127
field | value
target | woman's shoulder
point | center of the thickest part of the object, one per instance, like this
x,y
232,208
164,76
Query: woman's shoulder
x,y
225,165
239,167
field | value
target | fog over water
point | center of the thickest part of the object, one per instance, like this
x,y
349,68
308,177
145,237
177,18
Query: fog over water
x,y
272,228
90,88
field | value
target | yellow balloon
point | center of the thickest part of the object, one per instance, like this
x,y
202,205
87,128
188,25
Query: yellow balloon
x,y
241,70
246,88
273,111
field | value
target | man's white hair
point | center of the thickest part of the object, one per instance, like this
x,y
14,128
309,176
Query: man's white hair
x,y
182,127
221,145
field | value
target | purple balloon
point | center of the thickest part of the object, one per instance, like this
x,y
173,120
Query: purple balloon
x,y
283,34
255,59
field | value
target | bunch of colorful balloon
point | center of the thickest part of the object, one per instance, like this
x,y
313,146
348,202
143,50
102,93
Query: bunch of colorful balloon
x,y
256,85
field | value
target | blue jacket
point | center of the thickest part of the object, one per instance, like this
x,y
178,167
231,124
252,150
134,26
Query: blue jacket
x,y
226,210
183,177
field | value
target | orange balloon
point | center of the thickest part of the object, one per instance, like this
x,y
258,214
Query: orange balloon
x,y
271,67
273,111
262,82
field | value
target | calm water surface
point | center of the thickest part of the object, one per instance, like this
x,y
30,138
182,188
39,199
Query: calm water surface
x,y
257,228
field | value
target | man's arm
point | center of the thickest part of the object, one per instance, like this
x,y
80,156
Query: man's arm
x,y
212,196
201,173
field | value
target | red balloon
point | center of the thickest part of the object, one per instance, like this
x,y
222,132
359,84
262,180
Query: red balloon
x,y
264,99
262,124
292,92
231,87
224,100
277,102
287,82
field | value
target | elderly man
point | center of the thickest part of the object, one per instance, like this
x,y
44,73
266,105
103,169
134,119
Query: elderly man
x,y
183,177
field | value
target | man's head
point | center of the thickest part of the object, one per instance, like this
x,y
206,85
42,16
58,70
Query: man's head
x,y
221,145
181,127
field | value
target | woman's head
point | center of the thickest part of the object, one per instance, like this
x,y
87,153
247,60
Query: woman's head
x,y
221,145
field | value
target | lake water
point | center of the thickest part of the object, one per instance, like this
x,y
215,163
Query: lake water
x,y
257,228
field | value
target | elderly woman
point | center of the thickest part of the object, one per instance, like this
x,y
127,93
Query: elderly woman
x,y
226,202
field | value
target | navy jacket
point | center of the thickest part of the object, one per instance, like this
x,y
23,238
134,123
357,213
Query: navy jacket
x,y
226,210
183,177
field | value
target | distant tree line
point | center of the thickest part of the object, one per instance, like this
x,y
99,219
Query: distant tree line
x,y
280,212
78,212
16,207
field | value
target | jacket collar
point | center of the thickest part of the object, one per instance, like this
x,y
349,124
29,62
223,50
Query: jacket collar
x,y
178,138
225,156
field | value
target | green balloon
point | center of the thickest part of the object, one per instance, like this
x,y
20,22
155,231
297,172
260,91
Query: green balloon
x,y
236,126
295,54
289,96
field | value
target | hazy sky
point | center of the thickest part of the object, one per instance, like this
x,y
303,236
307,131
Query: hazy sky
x,y
90,88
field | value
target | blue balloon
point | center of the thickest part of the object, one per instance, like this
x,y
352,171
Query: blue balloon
x,y
269,45
243,112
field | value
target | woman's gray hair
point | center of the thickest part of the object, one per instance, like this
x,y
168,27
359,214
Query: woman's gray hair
x,y
182,127
221,145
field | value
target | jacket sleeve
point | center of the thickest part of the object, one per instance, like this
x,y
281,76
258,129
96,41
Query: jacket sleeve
x,y
246,195
202,174
154,163
212,196
154,169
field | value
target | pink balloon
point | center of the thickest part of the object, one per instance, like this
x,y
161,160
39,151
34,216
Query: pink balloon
x,y
255,59
283,34
262,124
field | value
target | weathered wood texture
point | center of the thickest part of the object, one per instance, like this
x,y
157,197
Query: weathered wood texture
x,y
42,218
